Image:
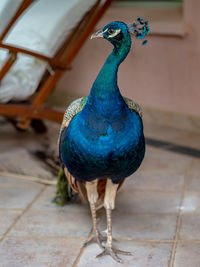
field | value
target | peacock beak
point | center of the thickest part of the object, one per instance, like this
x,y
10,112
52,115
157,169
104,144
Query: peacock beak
x,y
97,34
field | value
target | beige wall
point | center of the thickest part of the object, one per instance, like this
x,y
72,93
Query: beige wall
x,y
165,74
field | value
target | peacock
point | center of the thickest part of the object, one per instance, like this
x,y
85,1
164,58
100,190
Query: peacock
x,y
101,139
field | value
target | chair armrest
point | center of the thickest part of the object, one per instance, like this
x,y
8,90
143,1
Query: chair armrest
x,y
24,5
54,62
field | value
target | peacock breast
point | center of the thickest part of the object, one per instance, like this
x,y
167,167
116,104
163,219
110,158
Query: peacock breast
x,y
99,147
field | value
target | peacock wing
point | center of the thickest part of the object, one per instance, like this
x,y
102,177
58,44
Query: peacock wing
x,y
133,106
74,108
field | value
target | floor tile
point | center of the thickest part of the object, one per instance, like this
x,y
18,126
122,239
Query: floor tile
x,y
33,252
44,202
18,148
187,255
154,181
53,223
18,197
190,226
195,167
193,173
161,161
14,182
148,202
142,226
191,202
8,217
144,254
194,183
21,161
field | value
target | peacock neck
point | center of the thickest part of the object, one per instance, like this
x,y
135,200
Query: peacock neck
x,y
105,85
105,100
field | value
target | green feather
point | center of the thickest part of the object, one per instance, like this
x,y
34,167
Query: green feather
x,y
64,192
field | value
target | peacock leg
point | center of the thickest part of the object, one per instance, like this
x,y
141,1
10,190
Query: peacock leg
x,y
109,204
92,194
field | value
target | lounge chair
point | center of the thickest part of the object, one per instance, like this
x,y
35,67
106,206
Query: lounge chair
x,y
38,43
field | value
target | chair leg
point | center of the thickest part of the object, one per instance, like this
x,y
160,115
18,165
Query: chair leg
x,y
23,123
14,123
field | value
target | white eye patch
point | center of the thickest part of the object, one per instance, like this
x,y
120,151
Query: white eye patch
x,y
116,32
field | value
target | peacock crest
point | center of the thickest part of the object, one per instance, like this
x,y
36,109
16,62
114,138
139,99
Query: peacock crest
x,y
140,29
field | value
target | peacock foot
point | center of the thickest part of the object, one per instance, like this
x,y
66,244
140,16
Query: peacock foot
x,y
113,253
95,237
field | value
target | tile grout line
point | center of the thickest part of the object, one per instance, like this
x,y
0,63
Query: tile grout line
x,y
81,251
194,241
24,211
10,209
117,239
171,264
47,237
79,256
172,258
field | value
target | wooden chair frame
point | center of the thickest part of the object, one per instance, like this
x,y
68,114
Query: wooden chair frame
x,y
58,64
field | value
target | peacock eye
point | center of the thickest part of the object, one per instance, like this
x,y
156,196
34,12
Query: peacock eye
x,y
111,31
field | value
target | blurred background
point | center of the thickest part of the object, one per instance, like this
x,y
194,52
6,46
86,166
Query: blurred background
x,y
46,61
162,75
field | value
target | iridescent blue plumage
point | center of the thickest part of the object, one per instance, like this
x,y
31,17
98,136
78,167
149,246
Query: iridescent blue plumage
x,y
105,139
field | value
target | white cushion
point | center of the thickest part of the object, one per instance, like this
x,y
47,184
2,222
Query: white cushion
x,y
7,10
42,28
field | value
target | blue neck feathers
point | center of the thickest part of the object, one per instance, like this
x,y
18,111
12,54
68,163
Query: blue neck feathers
x,y
105,98
106,81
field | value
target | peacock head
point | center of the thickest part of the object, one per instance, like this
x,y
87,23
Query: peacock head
x,y
118,32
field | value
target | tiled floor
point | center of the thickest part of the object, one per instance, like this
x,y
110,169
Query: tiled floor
x,y
157,215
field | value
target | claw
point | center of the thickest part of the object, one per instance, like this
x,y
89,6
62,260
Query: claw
x,y
127,253
95,237
113,253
